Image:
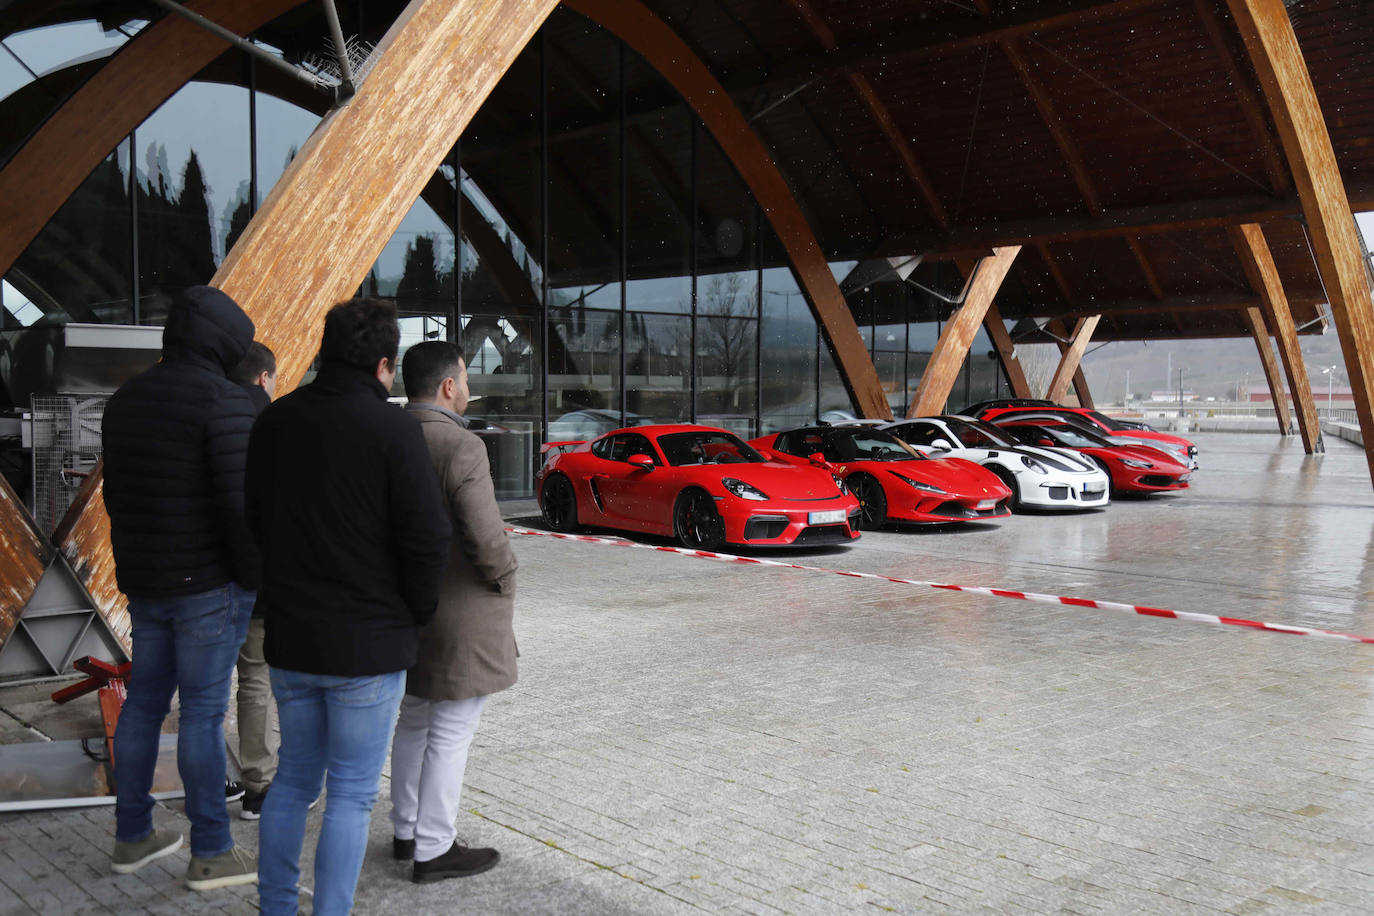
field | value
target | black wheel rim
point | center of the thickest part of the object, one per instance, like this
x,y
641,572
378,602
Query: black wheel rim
x,y
872,505
699,525
558,504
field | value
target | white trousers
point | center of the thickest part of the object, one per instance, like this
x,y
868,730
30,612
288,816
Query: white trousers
x,y
428,755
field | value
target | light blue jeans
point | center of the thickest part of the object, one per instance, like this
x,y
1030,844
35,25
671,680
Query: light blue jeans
x,y
342,725
186,645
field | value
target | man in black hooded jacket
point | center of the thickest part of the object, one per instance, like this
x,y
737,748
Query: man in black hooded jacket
x,y
175,445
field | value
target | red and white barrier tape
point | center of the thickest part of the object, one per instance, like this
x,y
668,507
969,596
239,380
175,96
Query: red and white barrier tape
x,y
972,589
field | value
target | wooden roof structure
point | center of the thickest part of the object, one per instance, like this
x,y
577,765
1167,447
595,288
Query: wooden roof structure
x,y
1122,169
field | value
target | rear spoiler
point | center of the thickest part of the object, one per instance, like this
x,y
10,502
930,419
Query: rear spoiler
x,y
549,449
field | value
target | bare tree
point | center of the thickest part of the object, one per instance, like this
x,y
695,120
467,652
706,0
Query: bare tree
x,y
725,330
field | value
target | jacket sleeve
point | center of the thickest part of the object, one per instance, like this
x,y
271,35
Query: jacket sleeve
x,y
226,446
420,526
478,526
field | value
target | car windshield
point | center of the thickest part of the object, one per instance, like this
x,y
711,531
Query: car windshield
x,y
1064,435
851,444
978,434
706,447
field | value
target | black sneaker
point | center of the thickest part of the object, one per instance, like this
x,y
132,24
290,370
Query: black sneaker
x,y
458,862
232,791
252,804
402,850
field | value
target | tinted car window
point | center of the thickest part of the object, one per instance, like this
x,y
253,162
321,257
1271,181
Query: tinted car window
x,y
621,447
705,447
919,433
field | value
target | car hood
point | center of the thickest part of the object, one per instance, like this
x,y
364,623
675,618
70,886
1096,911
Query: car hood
x,y
955,476
780,480
1158,458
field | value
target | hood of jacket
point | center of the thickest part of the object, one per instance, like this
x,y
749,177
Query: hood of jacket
x,y
205,323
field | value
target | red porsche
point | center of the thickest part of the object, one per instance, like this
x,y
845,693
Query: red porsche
x,y
702,485
893,481
1132,468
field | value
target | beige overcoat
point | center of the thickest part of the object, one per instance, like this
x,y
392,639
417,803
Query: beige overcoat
x,y
468,649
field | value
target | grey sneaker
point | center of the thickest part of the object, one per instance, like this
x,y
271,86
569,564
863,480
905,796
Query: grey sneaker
x,y
130,857
224,870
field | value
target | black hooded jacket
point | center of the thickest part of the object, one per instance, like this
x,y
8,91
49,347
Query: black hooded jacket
x,y
176,442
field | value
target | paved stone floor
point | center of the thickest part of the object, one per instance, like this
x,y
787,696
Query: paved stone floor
x,y
695,736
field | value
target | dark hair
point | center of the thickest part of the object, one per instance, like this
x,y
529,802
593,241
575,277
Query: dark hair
x,y
360,332
426,365
255,362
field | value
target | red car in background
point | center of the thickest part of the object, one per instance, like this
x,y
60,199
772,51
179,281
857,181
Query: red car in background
x,y
702,485
893,481
1132,468
1178,448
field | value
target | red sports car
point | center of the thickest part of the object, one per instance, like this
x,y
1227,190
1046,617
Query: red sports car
x,y
1132,468
1177,447
702,485
893,481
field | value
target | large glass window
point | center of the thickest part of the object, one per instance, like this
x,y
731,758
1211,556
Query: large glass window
x,y
658,165
193,166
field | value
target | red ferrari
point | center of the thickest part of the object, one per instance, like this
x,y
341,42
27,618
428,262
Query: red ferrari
x,y
893,481
699,484
1132,468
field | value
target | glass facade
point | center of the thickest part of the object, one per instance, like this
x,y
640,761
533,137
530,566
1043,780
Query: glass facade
x,y
586,242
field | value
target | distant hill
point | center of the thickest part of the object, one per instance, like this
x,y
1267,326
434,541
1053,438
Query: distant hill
x,y
1212,368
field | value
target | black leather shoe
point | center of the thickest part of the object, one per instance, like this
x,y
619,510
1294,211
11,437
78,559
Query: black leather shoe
x,y
402,850
458,862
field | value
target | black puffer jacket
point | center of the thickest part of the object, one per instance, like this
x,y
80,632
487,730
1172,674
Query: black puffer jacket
x,y
176,441
345,505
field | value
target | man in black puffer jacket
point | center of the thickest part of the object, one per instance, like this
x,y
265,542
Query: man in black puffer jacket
x,y
176,443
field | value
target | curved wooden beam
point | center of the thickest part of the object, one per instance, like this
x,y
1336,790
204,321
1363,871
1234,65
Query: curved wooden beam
x,y
952,348
664,49
142,75
331,213
1254,320
1273,48
24,555
1006,351
1263,274
1070,364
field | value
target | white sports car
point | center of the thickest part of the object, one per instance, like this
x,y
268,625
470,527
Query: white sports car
x,y
1039,477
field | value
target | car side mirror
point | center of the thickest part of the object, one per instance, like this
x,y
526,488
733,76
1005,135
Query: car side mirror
x,y
941,445
818,460
643,462
1043,440
767,455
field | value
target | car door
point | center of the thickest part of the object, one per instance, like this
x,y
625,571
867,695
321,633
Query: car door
x,y
625,492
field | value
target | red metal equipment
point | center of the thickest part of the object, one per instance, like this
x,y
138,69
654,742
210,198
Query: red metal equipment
x,y
110,680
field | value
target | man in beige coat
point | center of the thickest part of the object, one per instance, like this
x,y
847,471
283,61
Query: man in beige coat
x,y
468,651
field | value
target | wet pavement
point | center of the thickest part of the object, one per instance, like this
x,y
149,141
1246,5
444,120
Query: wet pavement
x,y
689,735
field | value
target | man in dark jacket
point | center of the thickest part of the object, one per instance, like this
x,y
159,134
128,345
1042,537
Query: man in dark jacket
x,y
175,441
346,509
257,374
468,651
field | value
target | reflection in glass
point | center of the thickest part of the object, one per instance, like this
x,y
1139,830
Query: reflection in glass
x,y
658,194
789,351
657,366
584,369
193,166
282,131
502,355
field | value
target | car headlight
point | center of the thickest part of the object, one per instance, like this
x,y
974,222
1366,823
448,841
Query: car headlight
x,y
1133,463
926,487
839,482
742,489
1034,465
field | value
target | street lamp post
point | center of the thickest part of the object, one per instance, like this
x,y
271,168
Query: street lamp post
x,y
1330,373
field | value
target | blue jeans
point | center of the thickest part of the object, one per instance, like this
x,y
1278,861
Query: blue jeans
x,y
188,645
342,725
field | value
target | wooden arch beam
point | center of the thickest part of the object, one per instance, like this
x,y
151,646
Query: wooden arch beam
x,y
1287,85
66,148
1070,363
1254,320
1263,274
952,348
1006,351
331,213
652,39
